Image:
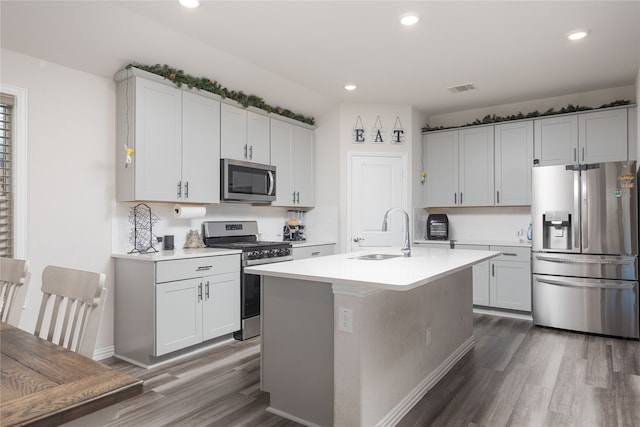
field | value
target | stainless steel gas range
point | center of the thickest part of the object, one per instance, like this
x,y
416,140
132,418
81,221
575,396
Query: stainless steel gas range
x,y
243,235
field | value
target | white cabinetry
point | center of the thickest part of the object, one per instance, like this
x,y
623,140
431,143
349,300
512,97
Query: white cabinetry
x,y
599,136
244,135
174,134
505,281
292,155
510,282
459,167
301,252
513,161
168,305
480,277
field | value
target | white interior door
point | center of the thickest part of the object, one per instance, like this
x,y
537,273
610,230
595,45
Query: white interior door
x,y
377,183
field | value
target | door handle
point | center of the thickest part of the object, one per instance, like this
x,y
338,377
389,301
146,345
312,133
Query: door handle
x,y
461,197
206,290
251,152
585,285
498,197
271,183
493,270
186,190
200,292
297,197
179,189
245,151
358,239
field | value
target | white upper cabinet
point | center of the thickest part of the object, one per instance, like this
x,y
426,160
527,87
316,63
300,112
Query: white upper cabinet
x,y
174,135
459,168
598,136
292,155
200,148
513,161
441,167
475,170
602,136
244,135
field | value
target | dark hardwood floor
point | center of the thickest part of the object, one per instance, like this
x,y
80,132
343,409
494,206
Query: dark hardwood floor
x,y
517,375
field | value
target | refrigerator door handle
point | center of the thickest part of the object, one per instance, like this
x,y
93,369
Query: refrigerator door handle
x,y
608,285
585,261
577,194
584,210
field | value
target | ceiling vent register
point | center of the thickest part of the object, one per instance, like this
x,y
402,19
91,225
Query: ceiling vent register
x,y
462,88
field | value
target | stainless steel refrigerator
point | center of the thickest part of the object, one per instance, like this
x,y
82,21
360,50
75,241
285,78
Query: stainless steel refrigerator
x,y
585,248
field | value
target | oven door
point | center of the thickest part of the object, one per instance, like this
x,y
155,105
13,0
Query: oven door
x,y
246,181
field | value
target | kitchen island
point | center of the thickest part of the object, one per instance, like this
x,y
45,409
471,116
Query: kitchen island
x,y
351,341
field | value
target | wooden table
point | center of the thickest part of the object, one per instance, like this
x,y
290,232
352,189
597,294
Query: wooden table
x,y
43,384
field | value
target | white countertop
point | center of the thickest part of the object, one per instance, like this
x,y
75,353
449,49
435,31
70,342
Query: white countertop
x,y
162,255
477,242
425,265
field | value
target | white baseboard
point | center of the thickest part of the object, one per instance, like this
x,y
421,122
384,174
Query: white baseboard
x,y
103,353
291,417
523,316
411,399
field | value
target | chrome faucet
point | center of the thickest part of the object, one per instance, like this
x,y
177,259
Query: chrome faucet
x,y
406,249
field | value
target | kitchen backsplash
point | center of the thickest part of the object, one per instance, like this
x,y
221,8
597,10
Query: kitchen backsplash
x,y
321,223
493,224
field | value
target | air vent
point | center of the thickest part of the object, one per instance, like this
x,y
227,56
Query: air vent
x,y
462,88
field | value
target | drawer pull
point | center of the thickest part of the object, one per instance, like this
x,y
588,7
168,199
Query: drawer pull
x,y
315,253
204,268
509,254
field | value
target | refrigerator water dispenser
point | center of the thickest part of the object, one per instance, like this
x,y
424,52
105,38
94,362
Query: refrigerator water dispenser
x,y
556,227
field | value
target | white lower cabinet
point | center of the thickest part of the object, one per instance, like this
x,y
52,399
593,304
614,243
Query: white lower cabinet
x,y
313,251
504,281
168,305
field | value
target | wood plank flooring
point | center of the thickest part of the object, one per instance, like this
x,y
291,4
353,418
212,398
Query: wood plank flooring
x,y
517,375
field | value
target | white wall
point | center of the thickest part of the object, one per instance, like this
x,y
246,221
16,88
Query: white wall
x,y
70,197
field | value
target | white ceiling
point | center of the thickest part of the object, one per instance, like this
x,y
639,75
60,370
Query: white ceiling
x,y
299,54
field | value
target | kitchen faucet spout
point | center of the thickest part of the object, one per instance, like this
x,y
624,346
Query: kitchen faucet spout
x,y
406,248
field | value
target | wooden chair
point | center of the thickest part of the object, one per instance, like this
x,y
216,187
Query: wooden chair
x,y
14,280
79,296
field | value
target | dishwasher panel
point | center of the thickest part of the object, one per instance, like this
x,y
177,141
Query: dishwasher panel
x,y
608,307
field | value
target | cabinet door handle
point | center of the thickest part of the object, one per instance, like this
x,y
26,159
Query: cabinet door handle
x,y
455,198
206,290
583,154
298,197
575,158
179,189
186,190
509,254
204,267
245,151
200,292
498,197
251,152
461,198
493,270
294,196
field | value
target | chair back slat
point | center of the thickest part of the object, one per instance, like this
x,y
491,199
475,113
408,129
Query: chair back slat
x,y
79,298
14,280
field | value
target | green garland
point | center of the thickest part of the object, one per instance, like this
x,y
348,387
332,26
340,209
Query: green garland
x,y
488,119
179,78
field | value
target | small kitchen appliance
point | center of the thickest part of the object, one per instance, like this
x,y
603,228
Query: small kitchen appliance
x,y
294,227
437,227
243,235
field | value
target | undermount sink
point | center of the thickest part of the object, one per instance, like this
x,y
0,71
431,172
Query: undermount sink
x,y
377,257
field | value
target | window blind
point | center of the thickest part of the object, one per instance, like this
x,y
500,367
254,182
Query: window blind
x,y
7,103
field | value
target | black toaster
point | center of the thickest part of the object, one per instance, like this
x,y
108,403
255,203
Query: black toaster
x,y
437,227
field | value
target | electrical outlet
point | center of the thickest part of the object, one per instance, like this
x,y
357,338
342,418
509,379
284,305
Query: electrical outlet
x,y
345,320
428,336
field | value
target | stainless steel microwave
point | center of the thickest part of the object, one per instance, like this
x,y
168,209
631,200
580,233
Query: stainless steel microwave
x,y
247,182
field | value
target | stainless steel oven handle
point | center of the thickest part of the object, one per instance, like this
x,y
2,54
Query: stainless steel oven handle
x,y
584,261
271,183
585,285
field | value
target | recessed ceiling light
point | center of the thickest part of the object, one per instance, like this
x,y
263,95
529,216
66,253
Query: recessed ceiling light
x,y
190,3
578,34
409,19
350,87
